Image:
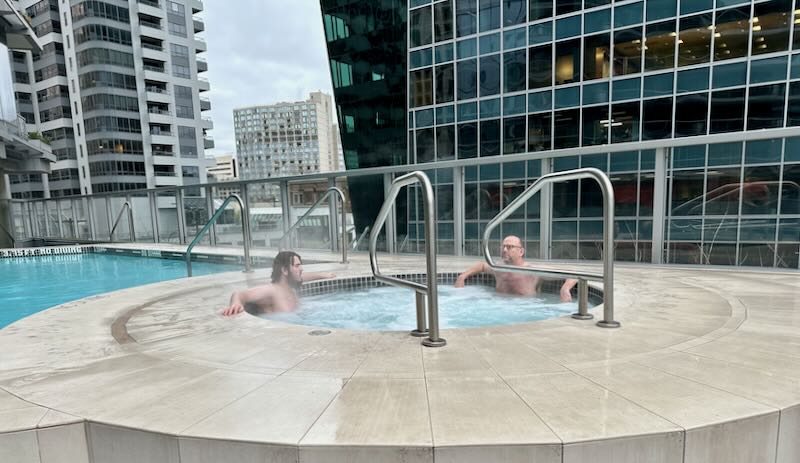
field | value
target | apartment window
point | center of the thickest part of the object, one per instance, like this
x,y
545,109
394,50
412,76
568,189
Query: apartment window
x,y
466,17
421,27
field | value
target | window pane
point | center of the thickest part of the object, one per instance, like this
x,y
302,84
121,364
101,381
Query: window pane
x,y
514,105
490,108
722,154
727,111
722,197
760,190
466,48
623,161
658,9
515,38
568,64
790,190
597,21
445,143
566,129
539,132
658,85
541,101
489,43
567,6
443,20
541,9
467,140
766,70
793,112
657,119
445,115
763,151
514,12
692,6
660,51
444,83
540,33
731,33
595,93
568,27
467,79
514,135
425,145
690,115
421,58
687,192
628,51
626,89
771,30
765,107
625,194
567,97
489,15
625,122
490,138
467,112
692,80
730,75
466,17
628,15
421,88
595,125
421,27
597,56
514,67
694,40
540,72
490,75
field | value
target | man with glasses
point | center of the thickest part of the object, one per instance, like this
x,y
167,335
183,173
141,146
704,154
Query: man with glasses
x,y
519,284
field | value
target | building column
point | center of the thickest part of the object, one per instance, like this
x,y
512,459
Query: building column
x,y
659,205
389,226
546,213
458,211
6,226
46,186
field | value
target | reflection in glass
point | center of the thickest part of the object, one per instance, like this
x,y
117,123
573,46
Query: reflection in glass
x,y
760,190
727,111
514,12
539,132
731,33
490,75
793,111
443,21
694,40
591,204
421,27
765,107
445,142
514,67
466,17
568,61
444,83
540,67
657,119
514,135
565,202
624,122
597,56
467,140
790,190
771,26
687,193
595,125
425,145
489,15
660,46
467,79
625,194
490,138
541,9
628,51
723,187
566,129
567,6
690,115
421,86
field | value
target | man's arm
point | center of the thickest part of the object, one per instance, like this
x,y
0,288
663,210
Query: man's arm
x,y
318,276
479,267
566,295
240,299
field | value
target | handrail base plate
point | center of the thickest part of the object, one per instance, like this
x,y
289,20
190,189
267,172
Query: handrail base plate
x,y
418,333
581,316
611,324
428,342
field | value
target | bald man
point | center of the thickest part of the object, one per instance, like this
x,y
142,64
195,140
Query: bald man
x,y
520,284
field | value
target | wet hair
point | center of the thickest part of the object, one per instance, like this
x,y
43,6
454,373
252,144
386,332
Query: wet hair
x,y
282,261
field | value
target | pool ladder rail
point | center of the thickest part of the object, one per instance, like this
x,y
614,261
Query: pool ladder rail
x,y
330,191
245,233
423,291
125,205
607,276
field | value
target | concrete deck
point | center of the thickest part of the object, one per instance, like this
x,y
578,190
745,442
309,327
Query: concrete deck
x,y
706,368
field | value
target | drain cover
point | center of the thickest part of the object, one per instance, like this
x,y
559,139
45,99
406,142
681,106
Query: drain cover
x,y
319,332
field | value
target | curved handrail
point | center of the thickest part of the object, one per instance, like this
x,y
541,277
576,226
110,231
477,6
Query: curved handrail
x,y
328,192
10,236
217,214
429,289
130,222
608,237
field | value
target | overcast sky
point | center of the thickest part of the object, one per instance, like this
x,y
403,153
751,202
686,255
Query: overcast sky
x,y
260,52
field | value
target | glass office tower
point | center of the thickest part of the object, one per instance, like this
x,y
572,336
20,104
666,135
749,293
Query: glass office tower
x,y
692,108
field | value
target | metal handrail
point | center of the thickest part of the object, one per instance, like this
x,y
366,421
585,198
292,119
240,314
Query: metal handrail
x,y
130,222
319,201
217,214
8,233
357,242
429,289
607,277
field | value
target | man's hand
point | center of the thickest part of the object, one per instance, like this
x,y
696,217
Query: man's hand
x,y
234,309
566,296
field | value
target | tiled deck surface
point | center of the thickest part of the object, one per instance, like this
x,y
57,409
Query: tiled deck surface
x,y
706,368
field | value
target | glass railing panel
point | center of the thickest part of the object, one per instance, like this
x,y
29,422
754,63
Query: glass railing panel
x,y
82,225
68,225
195,214
51,212
122,232
166,207
102,227
266,214
142,218
228,227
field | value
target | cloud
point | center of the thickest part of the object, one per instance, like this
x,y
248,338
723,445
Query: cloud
x,y
261,52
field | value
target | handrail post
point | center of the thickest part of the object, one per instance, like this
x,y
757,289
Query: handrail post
x,y
421,330
131,226
429,288
211,221
583,301
119,217
328,193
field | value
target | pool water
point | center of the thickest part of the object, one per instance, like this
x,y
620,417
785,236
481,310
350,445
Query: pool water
x,y
392,308
32,284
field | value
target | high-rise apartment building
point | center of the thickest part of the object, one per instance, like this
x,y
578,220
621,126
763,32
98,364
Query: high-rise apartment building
x,y
692,107
116,92
284,139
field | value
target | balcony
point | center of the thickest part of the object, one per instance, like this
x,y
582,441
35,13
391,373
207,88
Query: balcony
x,y
151,3
208,142
200,45
150,67
196,6
199,25
203,84
205,104
151,8
202,65
207,123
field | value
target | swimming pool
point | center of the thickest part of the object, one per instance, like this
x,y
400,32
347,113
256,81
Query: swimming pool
x,y
391,308
32,284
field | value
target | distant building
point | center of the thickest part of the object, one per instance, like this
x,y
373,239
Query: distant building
x,y
284,139
223,169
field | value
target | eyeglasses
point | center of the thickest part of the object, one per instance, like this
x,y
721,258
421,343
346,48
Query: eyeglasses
x,y
511,246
